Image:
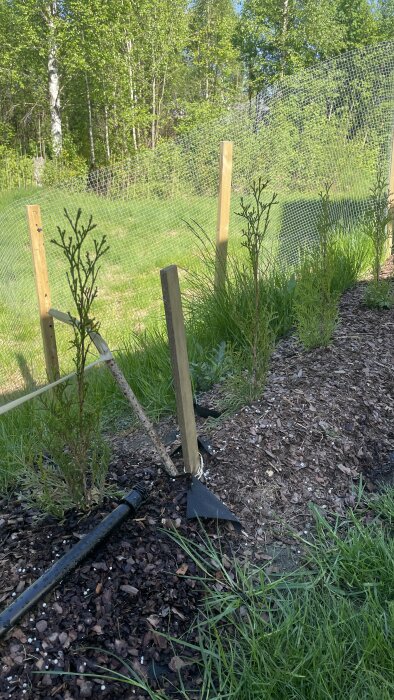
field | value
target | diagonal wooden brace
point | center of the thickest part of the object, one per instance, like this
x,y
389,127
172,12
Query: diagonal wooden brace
x,y
125,388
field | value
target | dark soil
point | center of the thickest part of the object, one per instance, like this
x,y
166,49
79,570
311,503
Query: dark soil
x,y
324,422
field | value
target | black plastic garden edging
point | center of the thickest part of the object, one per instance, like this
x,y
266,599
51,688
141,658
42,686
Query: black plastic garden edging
x,y
129,506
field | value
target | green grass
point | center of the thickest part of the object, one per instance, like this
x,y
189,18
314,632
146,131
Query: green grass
x,y
322,632
143,236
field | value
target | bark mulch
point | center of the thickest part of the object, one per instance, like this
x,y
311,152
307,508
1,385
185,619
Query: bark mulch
x,y
324,422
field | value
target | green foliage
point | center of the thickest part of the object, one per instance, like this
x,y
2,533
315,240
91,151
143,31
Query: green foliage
x,y
323,631
256,217
277,38
316,299
72,435
19,437
241,312
209,367
146,362
383,505
352,253
215,60
357,21
134,73
218,329
376,220
15,170
68,165
228,316
379,295
316,313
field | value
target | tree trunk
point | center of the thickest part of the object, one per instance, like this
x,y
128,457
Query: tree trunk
x,y
54,83
285,26
159,106
132,93
90,125
153,128
107,146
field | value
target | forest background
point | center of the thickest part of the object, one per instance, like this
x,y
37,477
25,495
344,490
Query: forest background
x,y
86,83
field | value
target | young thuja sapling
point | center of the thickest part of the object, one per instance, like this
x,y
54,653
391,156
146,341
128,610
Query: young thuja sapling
x,y
376,222
75,444
316,300
256,217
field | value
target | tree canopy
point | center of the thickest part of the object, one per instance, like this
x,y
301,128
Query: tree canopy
x,y
88,82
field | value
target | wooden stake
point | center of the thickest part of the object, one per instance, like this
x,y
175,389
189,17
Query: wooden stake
x,y
180,367
225,174
127,392
43,291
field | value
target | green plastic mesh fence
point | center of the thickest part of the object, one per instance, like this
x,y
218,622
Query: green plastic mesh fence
x,y
332,123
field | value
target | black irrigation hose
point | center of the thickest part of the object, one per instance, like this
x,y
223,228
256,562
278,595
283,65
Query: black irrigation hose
x,y
69,561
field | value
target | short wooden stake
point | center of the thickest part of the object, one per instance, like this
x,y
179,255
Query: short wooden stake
x,y
43,291
180,367
223,220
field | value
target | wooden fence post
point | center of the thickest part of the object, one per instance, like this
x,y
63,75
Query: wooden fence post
x,y
180,367
223,220
43,291
391,196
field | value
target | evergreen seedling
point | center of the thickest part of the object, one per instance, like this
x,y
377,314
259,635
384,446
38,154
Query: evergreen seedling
x,y
256,216
379,293
73,438
316,299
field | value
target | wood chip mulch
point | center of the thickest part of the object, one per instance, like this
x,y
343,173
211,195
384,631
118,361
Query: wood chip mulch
x,y
325,421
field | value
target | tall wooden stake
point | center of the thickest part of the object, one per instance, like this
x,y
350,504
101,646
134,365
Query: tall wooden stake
x,y
43,291
180,367
223,220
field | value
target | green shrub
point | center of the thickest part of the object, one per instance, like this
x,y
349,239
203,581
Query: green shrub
x,y
15,170
241,312
376,220
379,295
209,367
316,298
75,470
352,255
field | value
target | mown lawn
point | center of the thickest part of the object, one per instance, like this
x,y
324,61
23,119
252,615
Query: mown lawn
x,y
143,237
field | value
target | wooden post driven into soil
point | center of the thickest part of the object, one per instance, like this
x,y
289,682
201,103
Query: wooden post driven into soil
x,y
223,220
43,291
391,197
180,367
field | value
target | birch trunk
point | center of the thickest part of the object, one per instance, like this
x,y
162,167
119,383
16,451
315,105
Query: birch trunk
x,y
159,106
132,93
90,124
54,83
153,128
107,146
284,35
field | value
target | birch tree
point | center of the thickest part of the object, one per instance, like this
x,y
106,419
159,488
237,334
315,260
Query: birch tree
x,y
50,15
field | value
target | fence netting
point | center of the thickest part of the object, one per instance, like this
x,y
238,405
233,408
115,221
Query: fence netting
x,y
332,123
